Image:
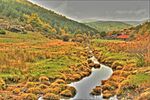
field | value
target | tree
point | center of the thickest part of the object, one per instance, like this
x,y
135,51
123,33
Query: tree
x,y
65,37
103,34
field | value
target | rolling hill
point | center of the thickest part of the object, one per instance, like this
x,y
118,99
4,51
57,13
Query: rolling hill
x,y
23,12
108,25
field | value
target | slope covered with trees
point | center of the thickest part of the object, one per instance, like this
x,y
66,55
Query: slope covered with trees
x,y
24,13
108,25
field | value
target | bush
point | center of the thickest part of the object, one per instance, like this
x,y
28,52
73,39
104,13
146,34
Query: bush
x,y
65,38
103,34
2,32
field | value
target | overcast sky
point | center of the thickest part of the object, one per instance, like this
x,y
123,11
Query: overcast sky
x,y
99,9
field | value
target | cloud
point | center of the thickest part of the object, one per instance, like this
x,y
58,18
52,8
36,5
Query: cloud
x,y
136,12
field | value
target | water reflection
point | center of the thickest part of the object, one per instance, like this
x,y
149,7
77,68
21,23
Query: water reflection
x,y
85,85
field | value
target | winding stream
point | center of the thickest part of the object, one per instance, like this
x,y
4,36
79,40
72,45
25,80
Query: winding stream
x,y
85,85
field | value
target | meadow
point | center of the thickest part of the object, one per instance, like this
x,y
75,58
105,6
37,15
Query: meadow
x,y
130,63
34,60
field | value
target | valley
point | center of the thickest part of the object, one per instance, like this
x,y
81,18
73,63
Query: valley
x,y
47,56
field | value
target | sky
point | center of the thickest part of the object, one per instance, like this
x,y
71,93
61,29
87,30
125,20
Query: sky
x,y
86,10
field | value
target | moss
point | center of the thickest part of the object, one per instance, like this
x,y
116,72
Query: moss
x,y
34,90
53,85
30,84
55,90
138,79
144,96
60,81
72,89
43,79
76,76
28,96
43,86
66,93
96,91
51,96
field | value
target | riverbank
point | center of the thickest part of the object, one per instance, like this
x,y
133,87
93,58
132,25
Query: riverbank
x,y
84,86
129,80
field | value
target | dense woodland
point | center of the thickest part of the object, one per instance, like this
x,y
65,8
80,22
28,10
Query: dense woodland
x,y
25,13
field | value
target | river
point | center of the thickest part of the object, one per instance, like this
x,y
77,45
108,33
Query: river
x,y
85,85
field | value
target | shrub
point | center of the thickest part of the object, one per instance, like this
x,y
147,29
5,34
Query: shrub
x,y
65,38
2,32
103,34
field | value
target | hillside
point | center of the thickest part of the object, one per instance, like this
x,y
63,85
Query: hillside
x,y
108,25
133,22
136,31
25,13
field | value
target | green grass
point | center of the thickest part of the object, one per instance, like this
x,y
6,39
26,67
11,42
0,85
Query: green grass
x,y
105,40
38,58
138,79
11,37
52,67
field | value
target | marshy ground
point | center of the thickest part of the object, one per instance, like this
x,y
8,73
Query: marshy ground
x,y
32,66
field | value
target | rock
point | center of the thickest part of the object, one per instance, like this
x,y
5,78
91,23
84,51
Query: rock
x,y
4,25
91,64
29,27
16,28
97,66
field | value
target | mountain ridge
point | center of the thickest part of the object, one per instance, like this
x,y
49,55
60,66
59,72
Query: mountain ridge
x,y
108,25
21,12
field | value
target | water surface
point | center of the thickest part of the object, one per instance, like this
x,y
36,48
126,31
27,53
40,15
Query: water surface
x,y
85,85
